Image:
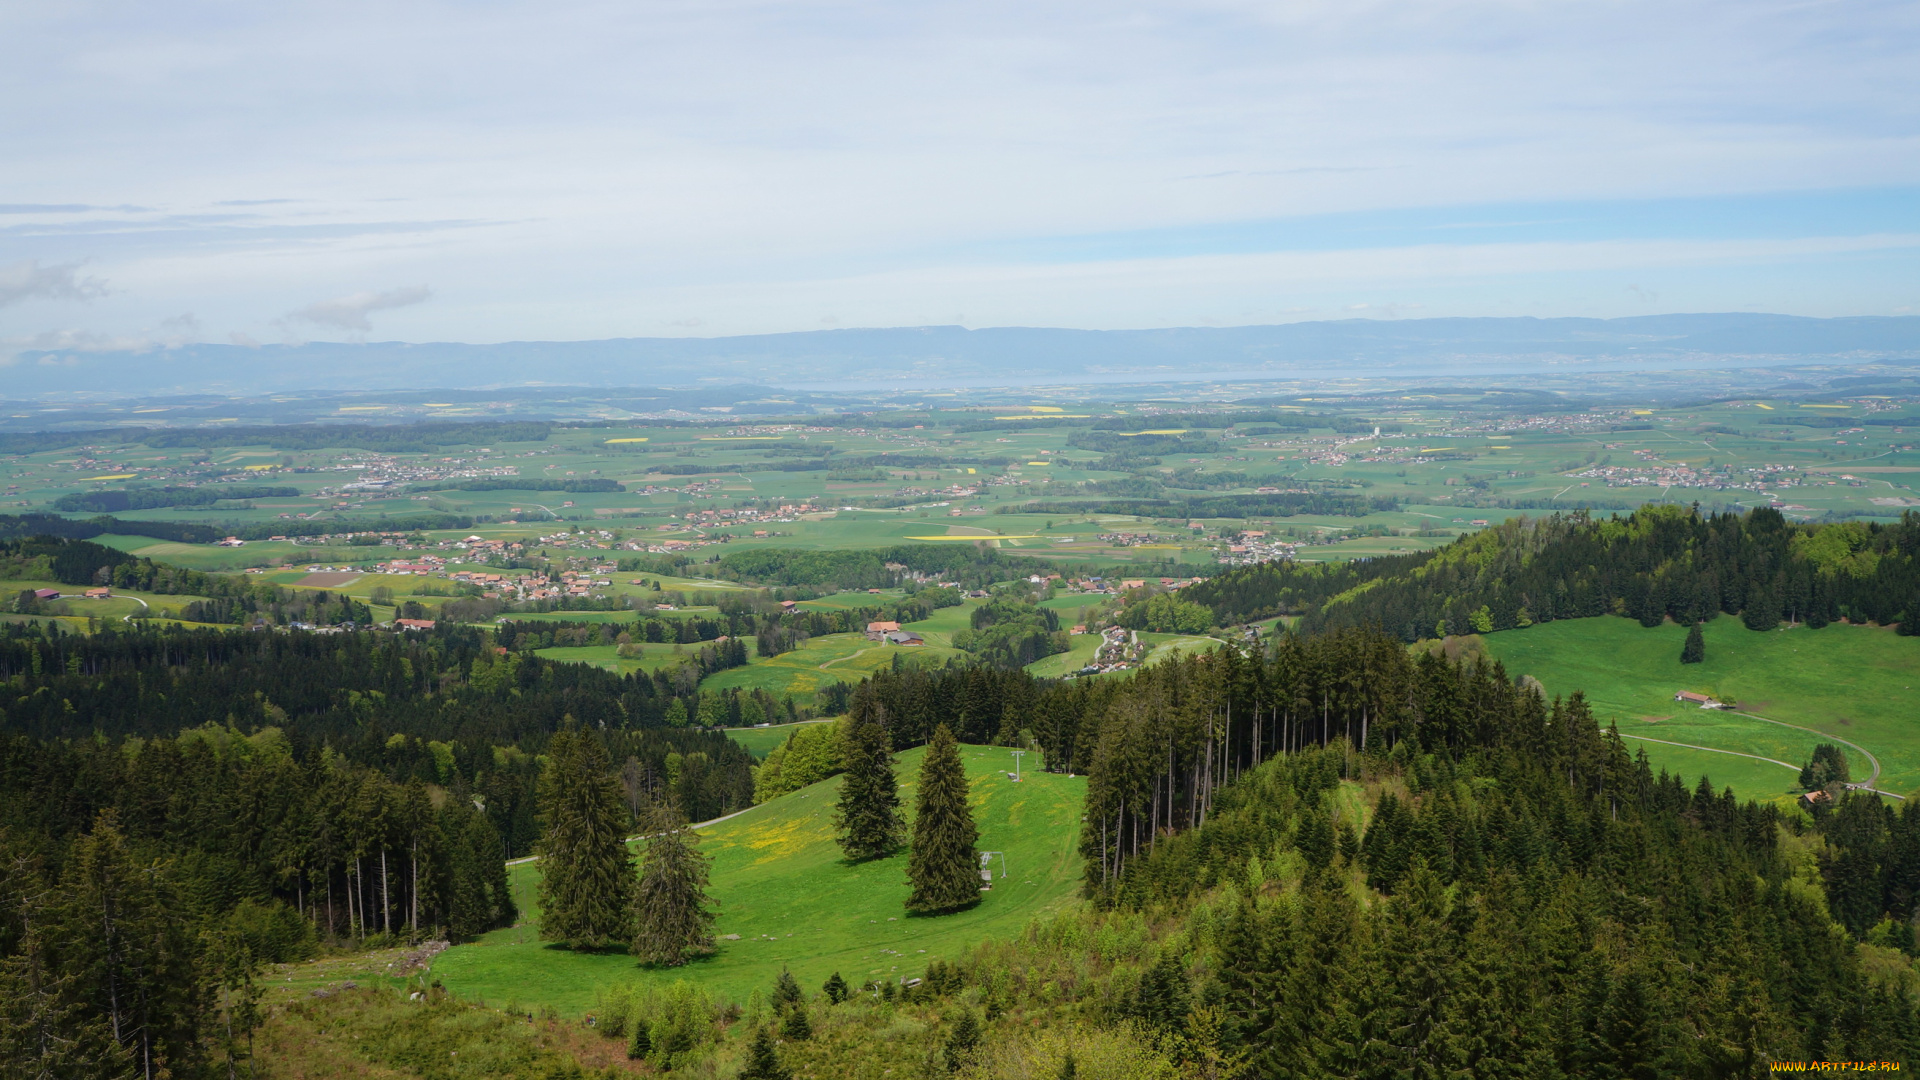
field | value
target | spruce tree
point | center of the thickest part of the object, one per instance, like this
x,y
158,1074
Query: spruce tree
x,y
672,914
763,1061
786,991
835,988
1763,608
586,882
944,869
1695,650
121,929
868,814
797,1027
964,1044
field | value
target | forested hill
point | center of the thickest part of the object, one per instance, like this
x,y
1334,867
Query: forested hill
x,y
1658,562
1331,858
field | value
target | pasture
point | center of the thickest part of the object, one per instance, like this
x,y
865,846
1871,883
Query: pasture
x,y
760,741
1856,683
785,898
652,657
1075,658
828,658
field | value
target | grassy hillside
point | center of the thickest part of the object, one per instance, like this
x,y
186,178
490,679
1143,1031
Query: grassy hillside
x,y
782,887
1858,683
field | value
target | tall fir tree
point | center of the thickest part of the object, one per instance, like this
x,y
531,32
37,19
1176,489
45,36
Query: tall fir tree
x,y
586,883
868,815
122,935
672,914
1763,608
944,868
1695,650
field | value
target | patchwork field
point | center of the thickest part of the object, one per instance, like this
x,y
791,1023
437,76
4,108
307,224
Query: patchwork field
x,y
1855,683
782,887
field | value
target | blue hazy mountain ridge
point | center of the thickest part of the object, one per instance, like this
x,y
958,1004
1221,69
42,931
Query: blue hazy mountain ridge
x,y
1003,356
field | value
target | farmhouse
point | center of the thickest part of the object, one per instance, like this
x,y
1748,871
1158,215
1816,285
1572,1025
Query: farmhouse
x,y
1702,700
903,637
878,630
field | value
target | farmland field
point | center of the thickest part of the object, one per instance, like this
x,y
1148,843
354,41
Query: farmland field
x,y
652,657
782,886
831,657
1857,683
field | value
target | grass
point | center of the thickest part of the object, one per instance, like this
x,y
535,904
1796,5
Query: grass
x,y
828,658
123,603
1858,683
1169,646
782,886
652,657
760,741
1059,664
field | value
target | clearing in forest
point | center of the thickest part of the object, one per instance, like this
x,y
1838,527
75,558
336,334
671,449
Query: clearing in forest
x,y
1857,683
792,901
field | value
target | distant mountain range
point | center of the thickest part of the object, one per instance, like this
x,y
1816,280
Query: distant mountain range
x,y
954,356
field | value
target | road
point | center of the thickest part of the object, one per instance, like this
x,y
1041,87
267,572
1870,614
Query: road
x,y
1867,785
642,836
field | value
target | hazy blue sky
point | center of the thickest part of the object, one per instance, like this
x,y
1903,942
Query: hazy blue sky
x,y
492,171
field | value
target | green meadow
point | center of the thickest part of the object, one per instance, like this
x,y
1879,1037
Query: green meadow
x,y
652,657
1075,658
828,658
760,741
1857,683
786,898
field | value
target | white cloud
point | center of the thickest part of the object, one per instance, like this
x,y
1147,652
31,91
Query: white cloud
x,y
30,281
569,169
349,313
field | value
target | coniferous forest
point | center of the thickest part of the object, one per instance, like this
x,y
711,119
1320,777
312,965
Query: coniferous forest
x,y
1322,854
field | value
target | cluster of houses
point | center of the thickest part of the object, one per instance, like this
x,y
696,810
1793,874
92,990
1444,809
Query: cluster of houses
x,y
1111,586
1119,650
1254,546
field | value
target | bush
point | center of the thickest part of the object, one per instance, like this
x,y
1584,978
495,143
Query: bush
x,y
274,932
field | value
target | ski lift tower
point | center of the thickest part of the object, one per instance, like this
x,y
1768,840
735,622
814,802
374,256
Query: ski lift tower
x,y
986,868
1017,755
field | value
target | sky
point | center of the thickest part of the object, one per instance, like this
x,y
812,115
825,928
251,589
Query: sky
x,y
495,171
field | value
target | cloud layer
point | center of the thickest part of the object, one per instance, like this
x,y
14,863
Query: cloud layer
x,y
591,168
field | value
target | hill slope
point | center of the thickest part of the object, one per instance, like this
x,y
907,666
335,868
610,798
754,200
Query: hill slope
x,y
781,886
